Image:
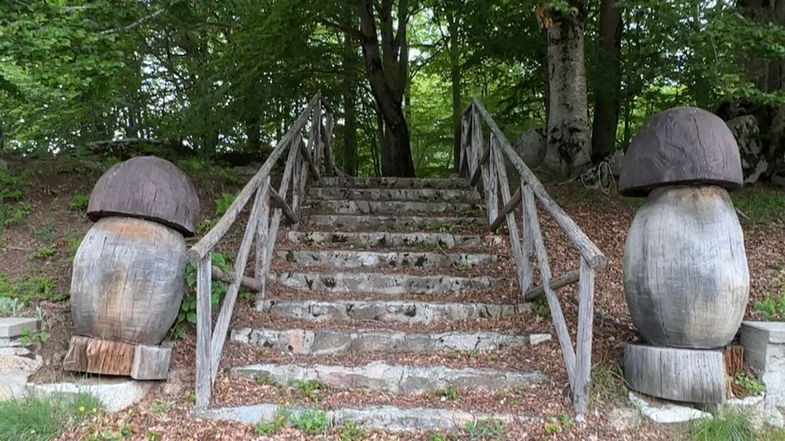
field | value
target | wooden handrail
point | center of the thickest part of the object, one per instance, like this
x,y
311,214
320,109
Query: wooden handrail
x,y
485,164
303,163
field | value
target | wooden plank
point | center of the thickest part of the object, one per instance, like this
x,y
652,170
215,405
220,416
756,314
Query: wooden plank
x,y
151,362
228,277
556,284
585,246
490,182
203,331
280,203
584,338
96,356
476,144
316,135
208,242
512,225
509,206
262,228
691,375
328,142
227,308
562,333
307,155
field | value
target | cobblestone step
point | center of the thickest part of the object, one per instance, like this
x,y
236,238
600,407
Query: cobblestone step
x,y
352,222
373,259
394,194
380,283
462,209
351,182
392,239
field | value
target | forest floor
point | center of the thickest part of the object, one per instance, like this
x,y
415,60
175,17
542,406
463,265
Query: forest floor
x,y
41,231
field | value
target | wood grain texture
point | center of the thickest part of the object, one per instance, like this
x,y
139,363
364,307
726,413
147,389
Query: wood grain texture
x,y
557,283
681,145
685,269
128,280
150,188
691,375
204,381
98,356
151,362
583,341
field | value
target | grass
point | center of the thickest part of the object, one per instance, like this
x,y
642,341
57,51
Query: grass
x,y
350,431
488,429
752,385
310,422
773,306
312,390
760,204
42,253
79,203
450,393
35,288
43,418
607,384
725,426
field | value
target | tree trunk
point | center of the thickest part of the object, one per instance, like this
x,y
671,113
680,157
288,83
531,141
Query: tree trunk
x,y
455,84
568,128
387,70
607,87
253,132
349,102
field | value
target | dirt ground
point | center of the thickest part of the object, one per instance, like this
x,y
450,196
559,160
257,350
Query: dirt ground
x,y
164,414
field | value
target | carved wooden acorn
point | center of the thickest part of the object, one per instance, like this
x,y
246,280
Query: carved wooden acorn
x,y
686,278
128,274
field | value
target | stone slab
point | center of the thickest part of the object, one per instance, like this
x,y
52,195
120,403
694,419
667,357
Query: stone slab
x,y
764,351
393,194
373,259
394,207
14,326
393,239
393,419
380,283
390,182
664,412
387,311
114,393
689,375
328,341
381,376
352,222
14,371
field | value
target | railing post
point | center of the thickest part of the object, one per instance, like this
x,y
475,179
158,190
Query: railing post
x,y
490,182
262,229
316,136
584,340
204,380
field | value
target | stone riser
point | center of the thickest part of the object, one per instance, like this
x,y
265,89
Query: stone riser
x,y
395,208
327,341
459,184
349,222
370,259
380,283
383,377
393,194
386,312
384,239
389,418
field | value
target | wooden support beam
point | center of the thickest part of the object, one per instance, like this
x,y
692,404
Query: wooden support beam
x,y
279,202
307,155
584,338
204,382
511,205
228,277
556,284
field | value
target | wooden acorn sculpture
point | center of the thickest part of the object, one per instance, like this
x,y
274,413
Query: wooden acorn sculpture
x,y
128,273
686,279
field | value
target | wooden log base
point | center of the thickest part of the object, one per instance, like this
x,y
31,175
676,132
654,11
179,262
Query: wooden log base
x,y
95,356
689,375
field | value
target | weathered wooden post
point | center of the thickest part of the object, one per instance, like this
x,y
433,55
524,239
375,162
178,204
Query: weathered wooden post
x,y
685,269
128,273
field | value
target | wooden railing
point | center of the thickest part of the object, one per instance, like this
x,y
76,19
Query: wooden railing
x,y
304,161
485,166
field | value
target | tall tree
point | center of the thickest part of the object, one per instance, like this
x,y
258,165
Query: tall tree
x,y
607,86
349,92
568,128
386,66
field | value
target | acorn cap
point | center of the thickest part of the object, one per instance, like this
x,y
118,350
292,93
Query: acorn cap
x,y
149,188
685,145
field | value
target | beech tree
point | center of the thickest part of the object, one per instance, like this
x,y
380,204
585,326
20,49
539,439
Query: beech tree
x,y
607,85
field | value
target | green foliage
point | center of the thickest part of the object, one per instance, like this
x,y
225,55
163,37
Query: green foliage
x,y
760,204
280,421
487,429
350,431
15,213
608,383
79,203
47,231
42,253
223,202
187,314
162,406
43,418
752,385
726,426
312,390
29,337
553,425
310,422
10,307
540,308
450,393
772,308
31,288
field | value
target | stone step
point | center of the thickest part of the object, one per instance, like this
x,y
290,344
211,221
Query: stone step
x,y
329,341
394,194
461,209
350,222
387,239
373,259
351,182
390,418
386,311
380,283
383,377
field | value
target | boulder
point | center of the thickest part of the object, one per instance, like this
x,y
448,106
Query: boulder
x,y
753,162
531,146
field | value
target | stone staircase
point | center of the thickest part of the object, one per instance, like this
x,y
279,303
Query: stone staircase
x,y
382,276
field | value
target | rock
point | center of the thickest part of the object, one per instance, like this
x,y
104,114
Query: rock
x,y
15,326
14,371
531,146
114,393
753,162
666,412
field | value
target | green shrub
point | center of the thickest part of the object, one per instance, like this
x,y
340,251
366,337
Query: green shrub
x,y
450,393
223,202
10,307
311,390
487,429
280,421
43,418
540,308
79,203
13,214
350,431
726,426
773,307
187,312
310,422
752,385
42,253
